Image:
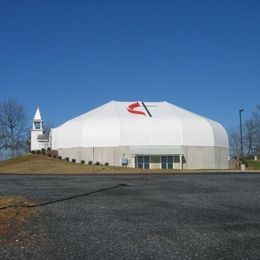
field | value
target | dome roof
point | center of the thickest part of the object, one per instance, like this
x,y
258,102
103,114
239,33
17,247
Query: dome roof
x,y
139,124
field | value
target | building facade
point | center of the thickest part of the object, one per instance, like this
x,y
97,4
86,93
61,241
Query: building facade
x,y
150,135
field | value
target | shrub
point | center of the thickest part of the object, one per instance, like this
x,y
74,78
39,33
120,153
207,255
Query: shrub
x,y
59,157
73,160
38,151
67,159
48,148
106,164
89,162
49,154
97,163
54,156
33,152
82,162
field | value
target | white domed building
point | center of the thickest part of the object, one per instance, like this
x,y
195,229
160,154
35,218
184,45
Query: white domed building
x,y
154,135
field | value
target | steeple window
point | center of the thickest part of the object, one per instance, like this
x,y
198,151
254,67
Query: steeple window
x,y
37,125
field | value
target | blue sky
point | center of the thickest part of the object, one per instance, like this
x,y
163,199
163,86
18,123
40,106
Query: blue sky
x,y
72,56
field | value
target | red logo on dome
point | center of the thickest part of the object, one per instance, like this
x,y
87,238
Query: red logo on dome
x,y
132,109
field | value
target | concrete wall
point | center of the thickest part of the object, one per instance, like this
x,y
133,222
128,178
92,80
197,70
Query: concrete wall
x,y
205,158
194,157
111,155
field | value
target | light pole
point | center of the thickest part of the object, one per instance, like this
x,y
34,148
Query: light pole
x,y
241,134
93,166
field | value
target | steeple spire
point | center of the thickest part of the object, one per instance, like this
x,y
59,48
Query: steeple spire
x,y
37,120
37,116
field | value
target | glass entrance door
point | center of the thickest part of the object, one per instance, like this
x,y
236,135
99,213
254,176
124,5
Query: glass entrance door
x,y
170,161
167,162
143,162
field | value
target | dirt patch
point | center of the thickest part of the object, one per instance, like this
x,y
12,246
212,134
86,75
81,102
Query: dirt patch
x,y
13,214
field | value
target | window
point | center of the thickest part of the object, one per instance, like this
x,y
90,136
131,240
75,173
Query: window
x,y
143,162
146,162
140,162
167,162
37,125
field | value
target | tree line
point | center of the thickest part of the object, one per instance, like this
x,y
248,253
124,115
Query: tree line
x,y
250,137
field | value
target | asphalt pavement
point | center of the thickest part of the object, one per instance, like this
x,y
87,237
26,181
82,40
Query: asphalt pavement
x,y
191,216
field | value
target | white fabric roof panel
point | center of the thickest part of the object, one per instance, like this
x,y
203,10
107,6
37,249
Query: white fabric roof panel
x,y
129,124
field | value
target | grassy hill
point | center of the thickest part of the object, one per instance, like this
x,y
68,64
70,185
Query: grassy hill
x,y
34,163
43,164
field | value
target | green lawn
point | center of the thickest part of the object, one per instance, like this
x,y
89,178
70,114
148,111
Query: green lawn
x,y
254,165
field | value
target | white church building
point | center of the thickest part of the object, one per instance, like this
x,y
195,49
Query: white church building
x,y
152,135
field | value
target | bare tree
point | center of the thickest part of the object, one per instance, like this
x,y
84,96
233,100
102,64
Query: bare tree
x,y
250,140
256,118
251,136
13,127
234,143
256,114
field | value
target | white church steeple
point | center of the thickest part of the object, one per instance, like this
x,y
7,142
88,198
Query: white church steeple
x,y
37,121
39,140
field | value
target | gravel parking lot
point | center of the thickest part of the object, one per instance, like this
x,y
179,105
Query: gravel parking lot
x,y
203,216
